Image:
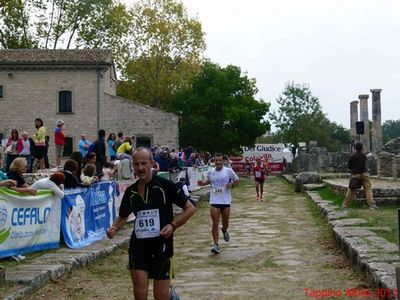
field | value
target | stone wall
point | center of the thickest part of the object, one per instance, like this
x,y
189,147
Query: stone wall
x,y
385,166
317,159
135,119
389,164
34,94
29,94
338,161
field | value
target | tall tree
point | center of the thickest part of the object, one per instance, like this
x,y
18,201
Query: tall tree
x,y
219,112
300,118
15,25
340,136
54,24
166,51
390,130
109,28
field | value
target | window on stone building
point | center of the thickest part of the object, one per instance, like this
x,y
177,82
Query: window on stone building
x,y
65,102
68,147
143,141
1,92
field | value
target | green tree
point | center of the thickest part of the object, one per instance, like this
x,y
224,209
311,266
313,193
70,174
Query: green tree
x,y
300,118
340,136
54,24
14,23
219,112
166,52
109,28
390,130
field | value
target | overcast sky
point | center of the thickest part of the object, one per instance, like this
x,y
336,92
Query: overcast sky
x,y
341,48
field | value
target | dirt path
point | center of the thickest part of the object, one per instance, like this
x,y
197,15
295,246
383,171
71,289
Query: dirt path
x,y
277,250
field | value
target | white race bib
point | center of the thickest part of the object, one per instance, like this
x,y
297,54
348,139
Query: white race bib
x,y
258,174
147,224
218,190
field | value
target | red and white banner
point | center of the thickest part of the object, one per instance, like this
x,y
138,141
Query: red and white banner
x,y
271,152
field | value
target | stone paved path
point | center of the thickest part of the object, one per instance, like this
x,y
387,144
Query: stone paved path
x,y
276,251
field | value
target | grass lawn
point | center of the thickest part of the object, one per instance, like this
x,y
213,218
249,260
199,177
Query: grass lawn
x,y
386,216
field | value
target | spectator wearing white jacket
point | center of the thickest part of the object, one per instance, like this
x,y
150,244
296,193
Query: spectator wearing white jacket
x,y
54,182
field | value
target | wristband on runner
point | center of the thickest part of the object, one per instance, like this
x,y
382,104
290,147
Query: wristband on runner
x,y
173,226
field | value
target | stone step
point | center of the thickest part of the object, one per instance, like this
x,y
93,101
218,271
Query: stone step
x,y
378,201
313,186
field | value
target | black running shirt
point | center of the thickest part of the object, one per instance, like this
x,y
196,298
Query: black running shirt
x,y
153,212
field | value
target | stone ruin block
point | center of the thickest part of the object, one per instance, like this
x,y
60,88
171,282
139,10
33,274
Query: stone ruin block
x,y
372,164
385,165
309,177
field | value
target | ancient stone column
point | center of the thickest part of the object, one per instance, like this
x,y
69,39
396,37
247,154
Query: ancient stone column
x,y
376,131
364,117
353,119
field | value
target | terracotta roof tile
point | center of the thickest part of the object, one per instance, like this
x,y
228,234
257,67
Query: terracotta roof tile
x,y
44,56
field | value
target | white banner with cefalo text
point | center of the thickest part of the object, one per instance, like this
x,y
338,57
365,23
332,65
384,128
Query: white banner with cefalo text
x,y
28,223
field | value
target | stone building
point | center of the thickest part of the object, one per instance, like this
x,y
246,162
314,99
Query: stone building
x,y
79,87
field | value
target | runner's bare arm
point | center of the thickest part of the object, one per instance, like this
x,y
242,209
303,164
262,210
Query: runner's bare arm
x,y
203,182
114,228
232,184
182,218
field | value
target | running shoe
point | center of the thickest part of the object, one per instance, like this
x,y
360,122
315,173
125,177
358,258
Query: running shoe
x,y
172,294
373,207
226,236
215,249
18,257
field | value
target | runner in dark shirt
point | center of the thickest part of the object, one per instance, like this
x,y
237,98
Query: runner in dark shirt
x,y
151,246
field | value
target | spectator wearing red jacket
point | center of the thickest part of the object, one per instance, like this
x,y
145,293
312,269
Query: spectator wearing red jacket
x,y
59,141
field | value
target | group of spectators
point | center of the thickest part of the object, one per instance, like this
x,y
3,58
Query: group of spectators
x,y
90,163
29,147
172,160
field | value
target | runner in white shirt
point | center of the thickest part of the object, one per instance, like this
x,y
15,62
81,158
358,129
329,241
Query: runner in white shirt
x,y
221,179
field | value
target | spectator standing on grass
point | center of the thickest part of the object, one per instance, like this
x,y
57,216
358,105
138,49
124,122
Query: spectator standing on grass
x,y
357,163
